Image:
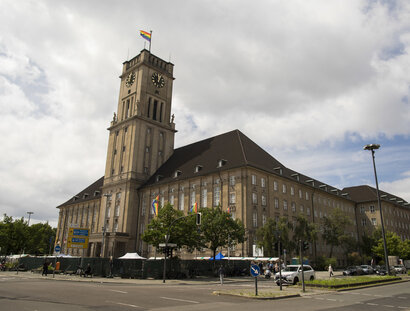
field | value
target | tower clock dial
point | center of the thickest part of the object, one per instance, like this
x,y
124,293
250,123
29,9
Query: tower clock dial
x,y
130,79
158,80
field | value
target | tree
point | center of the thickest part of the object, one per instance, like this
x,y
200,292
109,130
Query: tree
x,y
16,236
182,230
218,229
334,227
273,232
304,230
393,243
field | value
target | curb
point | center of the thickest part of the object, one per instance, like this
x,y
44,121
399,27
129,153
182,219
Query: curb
x,y
255,297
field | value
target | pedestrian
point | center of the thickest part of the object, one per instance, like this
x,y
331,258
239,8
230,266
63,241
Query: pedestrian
x,y
45,268
87,271
330,269
221,273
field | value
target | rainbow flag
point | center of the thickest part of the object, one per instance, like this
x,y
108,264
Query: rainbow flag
x,y
145,35
155,205
228,209
194,208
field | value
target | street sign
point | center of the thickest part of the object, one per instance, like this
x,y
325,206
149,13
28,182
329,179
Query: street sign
x,y
255,270
57,248
78,238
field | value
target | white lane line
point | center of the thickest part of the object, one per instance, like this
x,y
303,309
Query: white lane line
x,y
402,297
371,304
128,305
388,306
118,291
176,299
331,299
403,307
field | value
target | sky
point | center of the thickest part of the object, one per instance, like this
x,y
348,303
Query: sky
x,y
311,82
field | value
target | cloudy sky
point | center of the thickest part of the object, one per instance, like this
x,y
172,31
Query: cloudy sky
x,y
312,82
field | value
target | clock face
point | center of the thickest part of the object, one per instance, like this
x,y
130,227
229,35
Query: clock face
x,y
158,80
130,79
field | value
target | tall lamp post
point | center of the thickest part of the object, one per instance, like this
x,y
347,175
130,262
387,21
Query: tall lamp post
x,y
372,148
29,215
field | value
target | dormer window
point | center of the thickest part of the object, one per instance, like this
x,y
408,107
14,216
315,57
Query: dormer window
x,y
221,162
96,193
85,195
75,198
177,173
158,178
198,168
279,169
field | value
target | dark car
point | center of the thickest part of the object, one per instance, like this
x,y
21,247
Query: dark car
x,y
381,270
353,270
367,269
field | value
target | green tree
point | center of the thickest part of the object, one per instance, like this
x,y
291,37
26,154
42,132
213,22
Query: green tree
x,y
218,229
405,250
273,232
393,243
16,236
304,230
182,229
334,227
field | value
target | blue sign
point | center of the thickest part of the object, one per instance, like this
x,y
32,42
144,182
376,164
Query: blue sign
x,y
83,232
255,270
57,248
77,240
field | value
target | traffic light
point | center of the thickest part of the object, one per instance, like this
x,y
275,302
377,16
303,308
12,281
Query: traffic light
x,y
305,245
198,218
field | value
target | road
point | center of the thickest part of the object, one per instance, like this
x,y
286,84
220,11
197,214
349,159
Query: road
x,y
25,293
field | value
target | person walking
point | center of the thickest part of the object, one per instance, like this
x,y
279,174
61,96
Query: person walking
x,y
221,272
45,268
330,269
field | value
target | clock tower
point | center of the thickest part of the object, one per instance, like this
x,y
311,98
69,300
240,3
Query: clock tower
x,y
141,139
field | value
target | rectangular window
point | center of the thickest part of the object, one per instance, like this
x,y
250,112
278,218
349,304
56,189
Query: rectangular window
x,y
374,222
301,195
363,222
233,215
204,199
285,205
308,211
275,185
263,200
232,198
154,110
292,190
217,196
117,204
276,200
263,183
192,200
115,225
372,208
232,180
254,198
255,219
263,219
307,196
293,204
171,199
362,209
181,201
284,188
253,179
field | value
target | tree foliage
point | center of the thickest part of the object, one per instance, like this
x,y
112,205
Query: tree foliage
x,y
273,232
334,229
17,237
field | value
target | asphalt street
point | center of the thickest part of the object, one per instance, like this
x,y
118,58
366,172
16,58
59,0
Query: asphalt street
x,y
26,291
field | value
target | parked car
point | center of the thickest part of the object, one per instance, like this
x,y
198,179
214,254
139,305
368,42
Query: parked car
x,y
353,270
381,270
367,269
400,269
292,274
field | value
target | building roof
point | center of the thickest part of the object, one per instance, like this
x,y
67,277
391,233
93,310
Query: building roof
x,y
365,193
235,150
92,192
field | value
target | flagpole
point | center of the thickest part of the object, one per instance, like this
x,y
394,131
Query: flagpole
x,y
150,40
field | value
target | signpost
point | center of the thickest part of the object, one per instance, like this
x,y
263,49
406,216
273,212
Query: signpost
x,y
78,238
255,272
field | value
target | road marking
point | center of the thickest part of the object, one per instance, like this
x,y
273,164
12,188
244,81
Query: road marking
x,y
118,291
331,299
176,299
371,304
403,307
128,305
388,306
402,297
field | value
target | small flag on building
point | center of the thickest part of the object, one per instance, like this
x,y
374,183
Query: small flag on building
x,y
194,208
145,35
155,205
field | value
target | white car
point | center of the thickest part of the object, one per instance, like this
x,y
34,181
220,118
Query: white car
x,y
292,274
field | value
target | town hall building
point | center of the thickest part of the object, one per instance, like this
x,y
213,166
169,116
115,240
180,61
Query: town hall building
x,y
228,170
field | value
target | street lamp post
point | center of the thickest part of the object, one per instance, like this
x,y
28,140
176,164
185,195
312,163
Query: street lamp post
x,y
372,148
29,215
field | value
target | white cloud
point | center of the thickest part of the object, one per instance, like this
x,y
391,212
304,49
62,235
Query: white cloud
x,y
299,78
